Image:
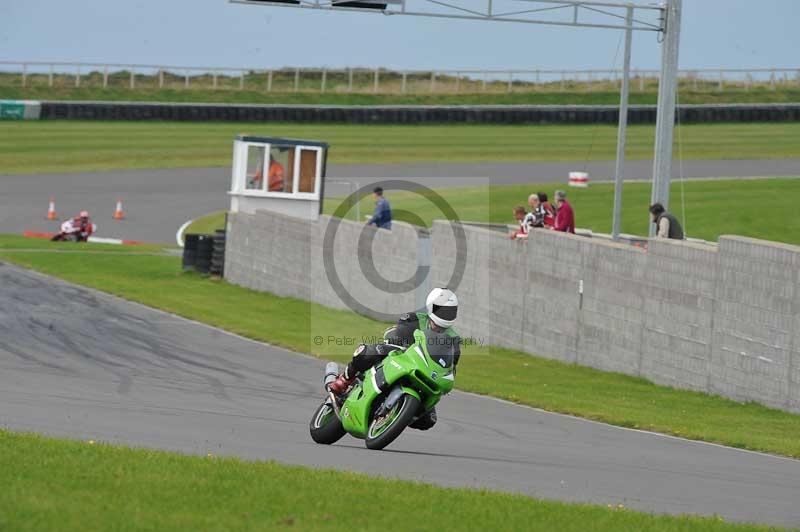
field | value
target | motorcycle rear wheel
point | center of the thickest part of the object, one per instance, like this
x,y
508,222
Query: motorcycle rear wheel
x,y
326,427
385,429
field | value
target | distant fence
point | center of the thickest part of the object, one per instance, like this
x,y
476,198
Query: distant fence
x,y
408,114
374,80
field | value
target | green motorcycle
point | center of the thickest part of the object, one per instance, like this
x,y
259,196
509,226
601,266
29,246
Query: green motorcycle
x,y
387,398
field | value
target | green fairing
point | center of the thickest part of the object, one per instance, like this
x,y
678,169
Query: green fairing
x,y
413,370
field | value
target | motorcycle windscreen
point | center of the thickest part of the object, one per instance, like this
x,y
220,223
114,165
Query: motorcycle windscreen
x,y
441,347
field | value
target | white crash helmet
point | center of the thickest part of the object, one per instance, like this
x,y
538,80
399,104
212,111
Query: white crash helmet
x,y
442,305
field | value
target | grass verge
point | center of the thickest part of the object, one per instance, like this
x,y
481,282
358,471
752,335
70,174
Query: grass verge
x,y
609,397
17,243
72,146
51,484
206,224
554,96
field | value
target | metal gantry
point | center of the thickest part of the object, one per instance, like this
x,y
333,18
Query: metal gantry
x,y
663,18
589,14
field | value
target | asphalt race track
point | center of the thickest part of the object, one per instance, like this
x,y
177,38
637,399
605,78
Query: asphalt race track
x,y
77,363
158,202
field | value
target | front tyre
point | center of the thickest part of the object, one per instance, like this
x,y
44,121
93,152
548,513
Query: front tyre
x,y
384,429
326,427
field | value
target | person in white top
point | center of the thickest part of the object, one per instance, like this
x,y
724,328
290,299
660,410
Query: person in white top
x,y
537,214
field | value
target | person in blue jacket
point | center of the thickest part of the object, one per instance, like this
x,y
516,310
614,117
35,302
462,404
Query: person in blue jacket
x,y
382,217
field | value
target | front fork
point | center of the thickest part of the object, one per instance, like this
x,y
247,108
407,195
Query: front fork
x,y
335,404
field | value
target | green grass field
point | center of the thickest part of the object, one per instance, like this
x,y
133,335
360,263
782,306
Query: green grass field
x,y
758,208
601,95
713,207
51,484
207,224
71,146
618,399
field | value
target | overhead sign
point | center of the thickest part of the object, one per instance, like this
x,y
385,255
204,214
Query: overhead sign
x,y
361,4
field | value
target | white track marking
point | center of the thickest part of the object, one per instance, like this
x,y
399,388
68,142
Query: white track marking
x,y
179,234
101,240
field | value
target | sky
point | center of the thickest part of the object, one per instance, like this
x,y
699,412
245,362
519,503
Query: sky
x,y
715,34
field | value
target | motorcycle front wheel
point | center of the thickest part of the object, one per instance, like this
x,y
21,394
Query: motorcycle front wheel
x,y
384,429
326,427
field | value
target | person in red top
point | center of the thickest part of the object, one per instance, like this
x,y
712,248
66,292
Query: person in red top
x,y
549,213
565,218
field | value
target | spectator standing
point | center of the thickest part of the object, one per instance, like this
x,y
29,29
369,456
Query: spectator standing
x,y
667,226
382,218
565,218
549,219
535,218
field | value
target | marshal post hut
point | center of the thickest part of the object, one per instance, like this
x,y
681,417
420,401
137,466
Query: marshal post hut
x,y
278,175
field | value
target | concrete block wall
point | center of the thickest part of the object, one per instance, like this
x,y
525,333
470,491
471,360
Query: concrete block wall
x,y
720,319
281,254
269,253
677,310
394,253
755,330
611,322
478,318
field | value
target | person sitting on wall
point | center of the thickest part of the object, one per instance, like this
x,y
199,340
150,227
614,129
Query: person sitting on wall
x,y
549,218
667,226
565,218
382,218
524,220
275,177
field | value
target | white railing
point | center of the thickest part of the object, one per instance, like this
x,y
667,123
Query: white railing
x,y
374,80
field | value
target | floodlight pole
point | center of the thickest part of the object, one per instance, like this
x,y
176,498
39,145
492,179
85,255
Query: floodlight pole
x,y
616,225
665,117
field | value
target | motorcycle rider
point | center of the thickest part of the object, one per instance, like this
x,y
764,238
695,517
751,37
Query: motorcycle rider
x,y
442,309
81,227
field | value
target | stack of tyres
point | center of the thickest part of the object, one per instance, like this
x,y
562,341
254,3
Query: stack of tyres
x,y
218,254
205,248
189,252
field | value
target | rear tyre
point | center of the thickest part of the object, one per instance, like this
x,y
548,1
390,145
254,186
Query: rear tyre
x,y
384,429
326,427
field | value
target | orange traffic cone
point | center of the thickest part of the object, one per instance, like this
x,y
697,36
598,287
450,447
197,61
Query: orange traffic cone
x,y
118,214
51,210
